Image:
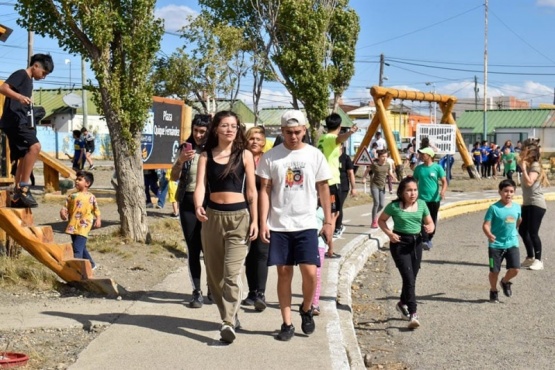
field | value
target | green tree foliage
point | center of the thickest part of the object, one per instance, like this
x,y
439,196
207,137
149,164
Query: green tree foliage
x,y
210,64
120,39
307,44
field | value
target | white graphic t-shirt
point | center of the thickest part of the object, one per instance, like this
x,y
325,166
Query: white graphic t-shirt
x,y
294,174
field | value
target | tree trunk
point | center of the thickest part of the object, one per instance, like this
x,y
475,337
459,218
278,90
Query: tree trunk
x,y
130,195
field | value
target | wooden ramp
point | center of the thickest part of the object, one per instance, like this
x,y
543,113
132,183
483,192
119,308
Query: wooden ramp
x,y
53,169
17,224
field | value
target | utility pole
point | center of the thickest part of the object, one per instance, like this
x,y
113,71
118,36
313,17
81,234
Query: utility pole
x,y
84,93
476,90
30,36
486,72
382,62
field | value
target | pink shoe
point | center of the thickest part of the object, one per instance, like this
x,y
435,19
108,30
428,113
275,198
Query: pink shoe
x,y
374,225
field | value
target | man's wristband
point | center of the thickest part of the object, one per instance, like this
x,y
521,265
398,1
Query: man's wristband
x,y
327,223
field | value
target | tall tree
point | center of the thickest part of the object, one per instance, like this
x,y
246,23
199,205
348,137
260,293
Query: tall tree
x,y
210,64
120,39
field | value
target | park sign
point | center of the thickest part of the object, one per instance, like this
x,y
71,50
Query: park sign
x,y
442,137
162,133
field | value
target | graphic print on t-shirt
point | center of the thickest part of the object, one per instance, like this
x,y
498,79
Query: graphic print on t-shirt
x,y
294,177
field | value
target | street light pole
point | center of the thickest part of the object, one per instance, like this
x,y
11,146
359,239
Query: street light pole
x,y
68,61
434,113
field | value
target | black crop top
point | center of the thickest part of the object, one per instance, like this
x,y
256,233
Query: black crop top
x,y
234,183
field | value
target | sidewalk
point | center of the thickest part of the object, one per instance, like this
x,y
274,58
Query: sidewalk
x,y
160,331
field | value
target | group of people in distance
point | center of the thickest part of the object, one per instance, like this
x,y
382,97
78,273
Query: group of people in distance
x,y
490,159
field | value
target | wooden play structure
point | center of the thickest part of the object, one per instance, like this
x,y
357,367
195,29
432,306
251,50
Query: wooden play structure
x,y
384,96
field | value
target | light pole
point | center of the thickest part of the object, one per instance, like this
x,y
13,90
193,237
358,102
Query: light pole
x,y
68,61
434,115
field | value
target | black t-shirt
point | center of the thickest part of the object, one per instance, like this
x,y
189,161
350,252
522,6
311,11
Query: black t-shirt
x,y
345,164
15,113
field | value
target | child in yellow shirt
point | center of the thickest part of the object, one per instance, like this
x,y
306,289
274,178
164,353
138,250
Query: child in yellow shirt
x,y
81,209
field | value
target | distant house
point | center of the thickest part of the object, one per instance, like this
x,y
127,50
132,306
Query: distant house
x,y
246,115
510,124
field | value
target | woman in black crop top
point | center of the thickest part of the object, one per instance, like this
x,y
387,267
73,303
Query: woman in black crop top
x,y
230,220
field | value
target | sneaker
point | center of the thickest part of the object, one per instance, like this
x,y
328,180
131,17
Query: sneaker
x,y
249,301
91,167
197,301
403,310
374,225
174,215
26,197
149,205
315,310
227,333
286,332
527,262
506,288
159,206
260,302
338,232
413,321
536,266
307,325
493,297
95,267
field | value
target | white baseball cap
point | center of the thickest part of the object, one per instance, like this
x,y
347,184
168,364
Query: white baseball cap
x,y
293,118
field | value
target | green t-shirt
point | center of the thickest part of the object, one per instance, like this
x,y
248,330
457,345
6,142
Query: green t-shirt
x,y
407,222
427,178
509,162
327,144
504,221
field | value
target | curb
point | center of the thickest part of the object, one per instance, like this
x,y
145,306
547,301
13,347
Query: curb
x,y
342,339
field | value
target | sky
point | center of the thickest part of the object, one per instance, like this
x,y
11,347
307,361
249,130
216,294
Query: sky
x,y
428,45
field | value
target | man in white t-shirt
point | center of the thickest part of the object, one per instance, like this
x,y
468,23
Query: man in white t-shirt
x,y
293,175
380,141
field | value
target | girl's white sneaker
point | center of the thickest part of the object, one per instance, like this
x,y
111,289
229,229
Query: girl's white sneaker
x,y
537,265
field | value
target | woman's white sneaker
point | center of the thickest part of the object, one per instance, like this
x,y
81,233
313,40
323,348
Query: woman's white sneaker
x,y
527,262
537,265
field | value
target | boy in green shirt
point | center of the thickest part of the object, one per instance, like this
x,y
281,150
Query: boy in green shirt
x,y
501,228
509,163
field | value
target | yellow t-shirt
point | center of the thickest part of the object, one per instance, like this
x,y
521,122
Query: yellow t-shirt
x,y
331,150
82,209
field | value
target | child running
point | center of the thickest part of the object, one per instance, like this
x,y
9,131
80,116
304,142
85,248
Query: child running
x,y
500,226
81,208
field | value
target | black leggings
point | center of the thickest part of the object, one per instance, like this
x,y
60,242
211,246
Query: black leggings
x,y
339,221
257,266
433,207
191,230
529,230
407,255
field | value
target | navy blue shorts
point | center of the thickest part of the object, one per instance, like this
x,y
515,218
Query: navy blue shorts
x,y
293,248
510,255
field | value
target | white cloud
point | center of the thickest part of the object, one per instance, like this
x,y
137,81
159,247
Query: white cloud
x,y
175,16
548,3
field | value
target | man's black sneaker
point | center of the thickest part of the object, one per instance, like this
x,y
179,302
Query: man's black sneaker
x,y
227,333
506,288
286,332
249,301
197,301
260,302
493,297
26,197
307,325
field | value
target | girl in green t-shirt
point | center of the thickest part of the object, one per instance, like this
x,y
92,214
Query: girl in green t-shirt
x,y
408,214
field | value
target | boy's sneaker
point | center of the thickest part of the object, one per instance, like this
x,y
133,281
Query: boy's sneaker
x,y
260,302
403,310
307,325
536,266
91,167
527,262
493,297
227,333
413,321
25,197
249,301
286,332
506,288
197,301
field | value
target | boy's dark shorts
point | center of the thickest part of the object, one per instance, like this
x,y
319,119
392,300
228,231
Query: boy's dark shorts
x,y
89,148
510,255
20,138
293,248
335,198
